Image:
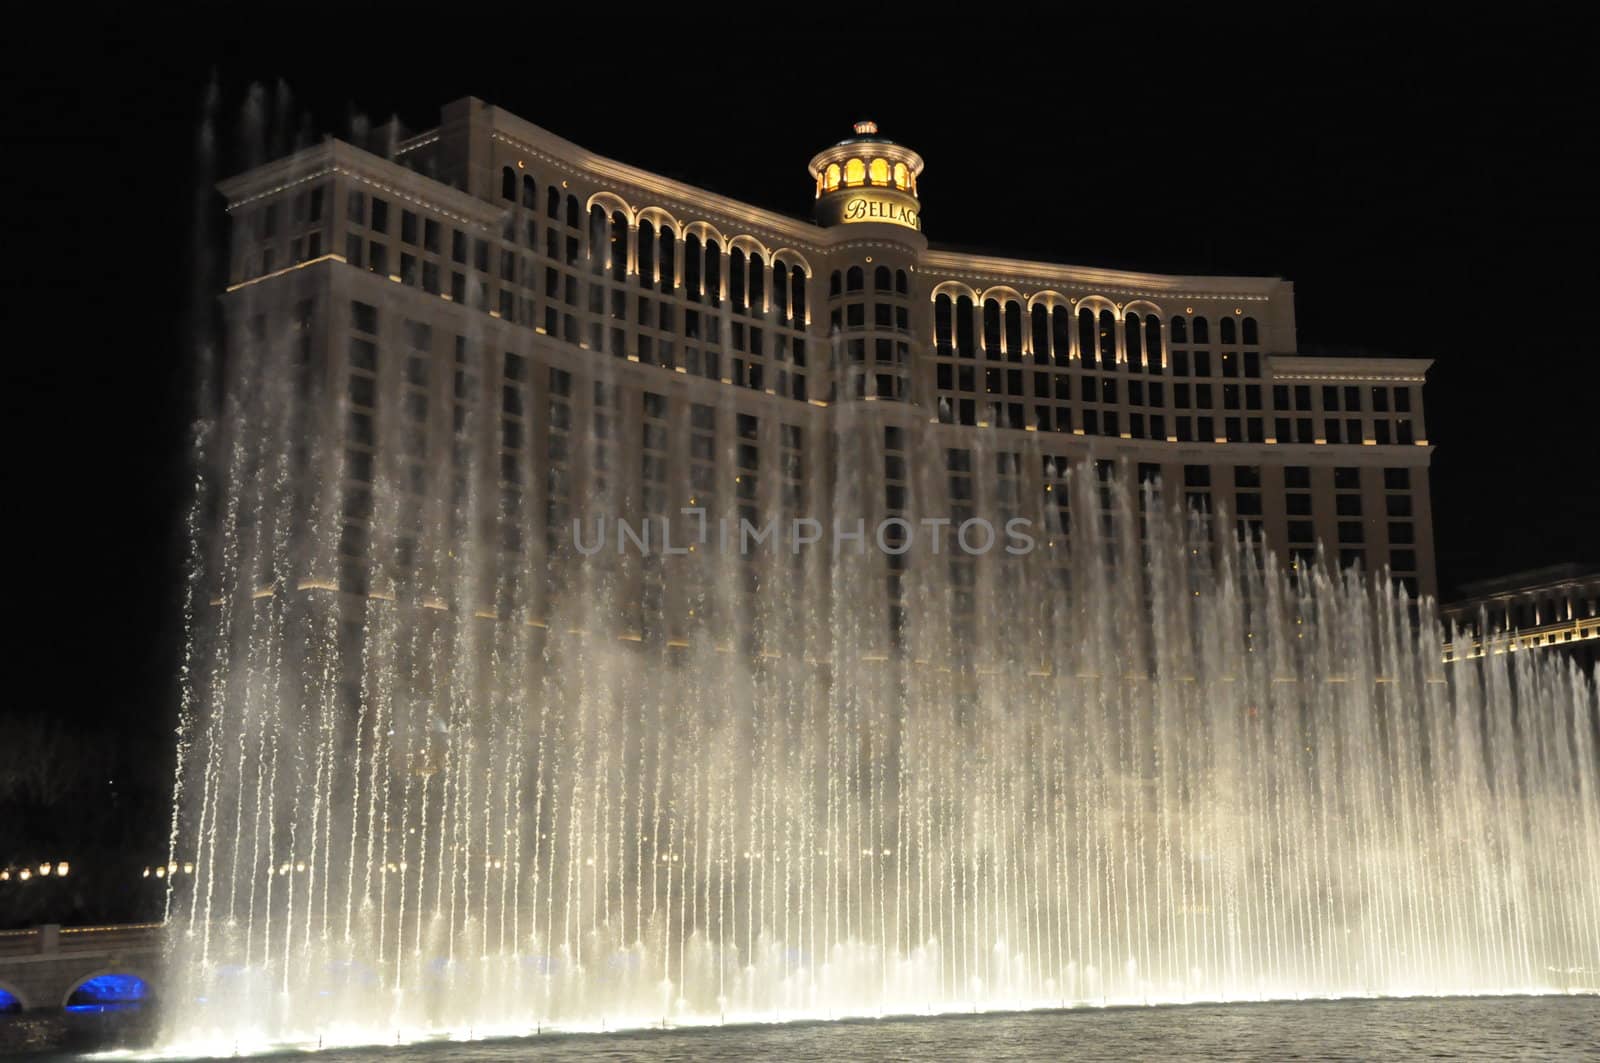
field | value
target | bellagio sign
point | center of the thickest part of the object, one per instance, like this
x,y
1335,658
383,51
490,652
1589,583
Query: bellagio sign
x,y
883,206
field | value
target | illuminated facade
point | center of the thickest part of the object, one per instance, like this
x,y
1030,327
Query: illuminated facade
x,y
643,339
1547,608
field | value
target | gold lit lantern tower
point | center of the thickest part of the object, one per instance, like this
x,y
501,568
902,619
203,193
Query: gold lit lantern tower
x,y
867,179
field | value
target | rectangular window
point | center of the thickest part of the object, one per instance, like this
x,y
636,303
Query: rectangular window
x,y
364,317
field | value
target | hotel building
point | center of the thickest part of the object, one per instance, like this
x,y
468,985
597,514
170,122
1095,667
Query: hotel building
x,y
1547,608
624,335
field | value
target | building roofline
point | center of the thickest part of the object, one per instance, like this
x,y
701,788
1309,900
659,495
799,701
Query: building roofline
x,y
1533,579
1321,367
960,263
563,154
336,156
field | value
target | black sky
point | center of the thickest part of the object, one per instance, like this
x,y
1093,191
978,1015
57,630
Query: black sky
x,y
1427,185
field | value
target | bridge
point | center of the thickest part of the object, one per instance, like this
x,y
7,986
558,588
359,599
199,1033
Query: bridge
x,y
50,968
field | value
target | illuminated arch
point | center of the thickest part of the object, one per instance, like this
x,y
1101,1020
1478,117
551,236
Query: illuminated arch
x,y
747,243
704,231
902,179
954,289
11,999
1047,297
878,171
1096,303
1003,293
109,990
660,218
793,259
855,173
1141,306
832,177
612,203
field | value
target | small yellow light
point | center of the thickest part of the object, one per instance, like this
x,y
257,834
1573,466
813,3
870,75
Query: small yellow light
x,y
521,165
188,869
5,876
25,874
62,868
161,872
44,869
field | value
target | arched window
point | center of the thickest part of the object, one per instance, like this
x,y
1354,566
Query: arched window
x,y
797,302
991,328
574,214
879,171
855,173
619,246
1108,339
943,338
736,278
1061,335
552,203
881,278
1202,334
713,273
1180,329
647,255
508,184
530,194
1229,332
1086,341
1152,343
836,283
1014,331
780,290
901,180
966,342
668,264
758,283
597,238
902,283
1251,337
831,177
1040,319
855,279
691,266
1133,340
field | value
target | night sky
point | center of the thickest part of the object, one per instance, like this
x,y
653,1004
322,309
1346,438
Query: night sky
x,y
1427,186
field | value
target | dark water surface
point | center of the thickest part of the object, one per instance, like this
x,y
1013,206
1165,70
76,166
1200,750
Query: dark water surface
x,y
1563,1028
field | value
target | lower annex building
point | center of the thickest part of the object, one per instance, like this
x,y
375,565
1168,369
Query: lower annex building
x,y
630,335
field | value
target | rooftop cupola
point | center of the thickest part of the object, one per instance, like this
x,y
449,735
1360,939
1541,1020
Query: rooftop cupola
x,y
867,178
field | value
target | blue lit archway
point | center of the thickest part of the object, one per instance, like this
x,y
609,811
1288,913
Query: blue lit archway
x,y
10,1002
112,991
